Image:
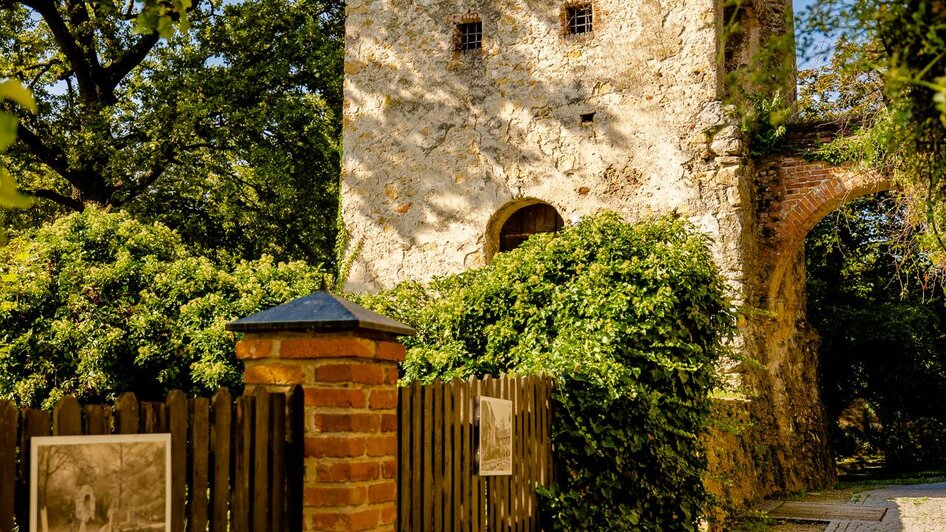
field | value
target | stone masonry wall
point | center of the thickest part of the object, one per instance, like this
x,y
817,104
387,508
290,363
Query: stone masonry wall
x,y
437,142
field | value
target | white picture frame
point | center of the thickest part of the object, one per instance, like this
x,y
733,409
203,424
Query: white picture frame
x,y
495,433
90,482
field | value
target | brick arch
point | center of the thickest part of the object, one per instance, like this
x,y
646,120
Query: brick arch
x,y
803,193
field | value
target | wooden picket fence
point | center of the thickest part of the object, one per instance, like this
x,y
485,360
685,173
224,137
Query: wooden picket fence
x,y
236,465
438,487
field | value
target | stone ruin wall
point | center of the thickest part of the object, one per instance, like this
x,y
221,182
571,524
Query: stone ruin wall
x,y
441,146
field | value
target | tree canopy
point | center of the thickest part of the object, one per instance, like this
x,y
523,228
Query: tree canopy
x,y
882,323
228,128
886,73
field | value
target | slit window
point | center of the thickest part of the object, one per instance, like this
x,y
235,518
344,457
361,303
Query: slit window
x,y
579,19
469,36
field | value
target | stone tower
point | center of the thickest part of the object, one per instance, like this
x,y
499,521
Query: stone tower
x,y
459,113
469,124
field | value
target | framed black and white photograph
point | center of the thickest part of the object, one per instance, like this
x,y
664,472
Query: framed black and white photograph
x,y
494,445
100,483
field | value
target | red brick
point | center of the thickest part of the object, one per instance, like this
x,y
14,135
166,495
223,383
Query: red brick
x,y
347,471
250,349
339,397
273,373
365,519
335,446
334,495
383,399
381,445
390,375
337,346
359,373
322,520
389,468
388,514
356,422
391,351
382,492
388,422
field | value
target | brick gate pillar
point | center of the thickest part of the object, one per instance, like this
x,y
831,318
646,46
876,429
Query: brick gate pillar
x,y
346,359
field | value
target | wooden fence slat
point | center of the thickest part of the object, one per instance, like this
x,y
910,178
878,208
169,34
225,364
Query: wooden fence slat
x,y
404,457
67,417
492,512
261,455
221,438
428,514
531,504
148,417
452,482
502,485
35,423
177,419
295,461
277,505
465,473
522,514
94,420
126,414
8,432
516,489
242,447
437,422
479,481
417,456
199,470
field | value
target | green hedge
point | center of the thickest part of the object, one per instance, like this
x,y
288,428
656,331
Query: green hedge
x,y
629,320
97,303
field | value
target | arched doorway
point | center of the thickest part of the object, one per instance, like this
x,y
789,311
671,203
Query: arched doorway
x,y
516,222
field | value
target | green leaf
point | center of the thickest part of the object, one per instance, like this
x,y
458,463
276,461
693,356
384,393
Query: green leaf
x,y
8,125
13,91
9,196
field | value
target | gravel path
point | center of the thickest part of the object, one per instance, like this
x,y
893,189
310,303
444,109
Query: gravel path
x,y
919,508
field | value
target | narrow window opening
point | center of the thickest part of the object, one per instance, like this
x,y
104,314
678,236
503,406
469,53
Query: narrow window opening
x,y
587,118
469,36
579,18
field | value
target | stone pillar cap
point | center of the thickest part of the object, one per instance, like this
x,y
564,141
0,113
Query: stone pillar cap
x,y
319,312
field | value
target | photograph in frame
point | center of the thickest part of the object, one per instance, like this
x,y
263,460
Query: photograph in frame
x,y
94,483
494,444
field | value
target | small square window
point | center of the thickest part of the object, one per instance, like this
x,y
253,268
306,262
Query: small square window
x,y
469,36
579,18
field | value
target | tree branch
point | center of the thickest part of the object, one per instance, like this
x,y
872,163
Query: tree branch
x,y
70,48
52,195
117,70
51,157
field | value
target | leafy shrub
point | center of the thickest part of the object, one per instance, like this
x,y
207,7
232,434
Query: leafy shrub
x,y
629,322
97,303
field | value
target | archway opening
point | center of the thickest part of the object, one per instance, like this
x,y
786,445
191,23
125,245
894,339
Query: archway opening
x,y
516,221
880,314
527,221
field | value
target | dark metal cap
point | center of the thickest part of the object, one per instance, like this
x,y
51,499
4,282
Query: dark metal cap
x,y
320,311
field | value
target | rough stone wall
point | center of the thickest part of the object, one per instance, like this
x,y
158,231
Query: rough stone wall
x,y
437,142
